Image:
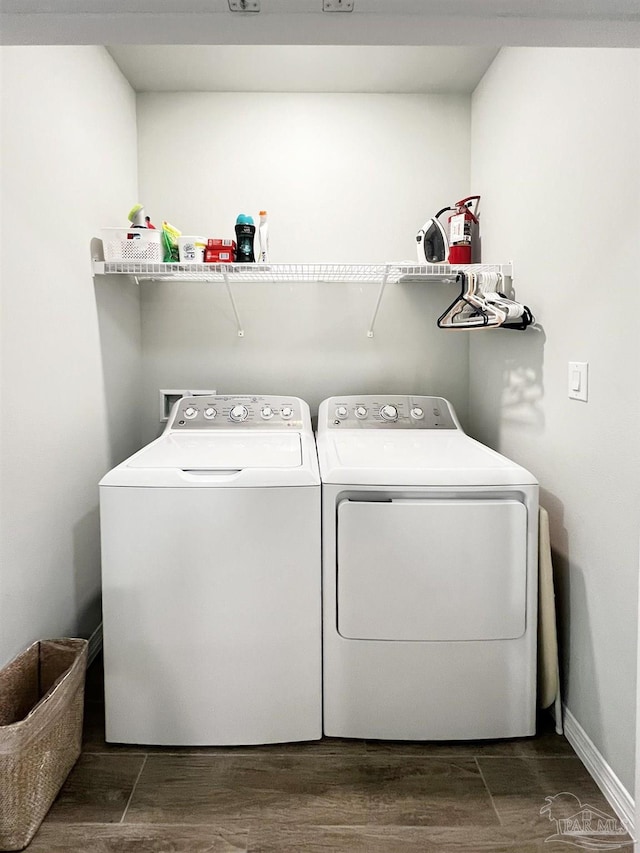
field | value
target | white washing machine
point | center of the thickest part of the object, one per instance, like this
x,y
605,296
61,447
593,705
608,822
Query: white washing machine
x,y
429,575
212,578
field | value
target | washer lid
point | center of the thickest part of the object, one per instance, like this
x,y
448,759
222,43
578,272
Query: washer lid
x,y
414,458
208,451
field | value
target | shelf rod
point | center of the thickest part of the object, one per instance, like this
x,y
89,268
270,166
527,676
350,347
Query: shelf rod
x,y
383,284
233,305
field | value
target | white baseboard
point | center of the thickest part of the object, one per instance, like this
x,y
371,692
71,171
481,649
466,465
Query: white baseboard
x,y
95,644
616,794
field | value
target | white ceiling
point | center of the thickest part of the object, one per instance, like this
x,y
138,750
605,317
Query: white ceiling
x,y
296,68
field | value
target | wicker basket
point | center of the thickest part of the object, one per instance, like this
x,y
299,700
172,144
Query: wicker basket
x,y
41,708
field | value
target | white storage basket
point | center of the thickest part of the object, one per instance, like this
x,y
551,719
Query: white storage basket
x,y
132,244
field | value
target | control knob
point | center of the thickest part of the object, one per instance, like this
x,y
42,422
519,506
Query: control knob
x,y
266,412
361,411
238,413
210,413
190,412
342,412
388,413
286,412
417,413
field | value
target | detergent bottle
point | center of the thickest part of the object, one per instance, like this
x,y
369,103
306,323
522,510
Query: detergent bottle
x,y
245,233
263,236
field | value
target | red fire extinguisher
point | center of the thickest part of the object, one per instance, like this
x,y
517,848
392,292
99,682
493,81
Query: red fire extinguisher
x,y
463,232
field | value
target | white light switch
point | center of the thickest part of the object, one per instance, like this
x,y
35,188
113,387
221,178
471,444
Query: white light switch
x,y
579,380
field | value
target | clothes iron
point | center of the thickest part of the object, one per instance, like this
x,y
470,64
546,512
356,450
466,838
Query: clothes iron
x,y
433,243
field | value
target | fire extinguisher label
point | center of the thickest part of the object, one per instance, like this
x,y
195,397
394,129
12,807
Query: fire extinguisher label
x,y
460,229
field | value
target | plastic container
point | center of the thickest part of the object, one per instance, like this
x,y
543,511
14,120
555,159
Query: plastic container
x,y
41,711
191,249
245,233
133,244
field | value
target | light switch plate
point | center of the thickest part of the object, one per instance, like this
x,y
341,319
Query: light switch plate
x,y
579,380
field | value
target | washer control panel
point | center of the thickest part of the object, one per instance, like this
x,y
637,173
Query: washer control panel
x,y
241,412
392,411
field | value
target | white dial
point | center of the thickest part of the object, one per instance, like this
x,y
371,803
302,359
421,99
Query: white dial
x,y
190,412
361,411
238,413
210,413
417,413
266,412
388,413
341,411
286,412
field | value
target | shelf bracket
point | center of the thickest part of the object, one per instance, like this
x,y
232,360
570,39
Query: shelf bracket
x,y
233,305
383,284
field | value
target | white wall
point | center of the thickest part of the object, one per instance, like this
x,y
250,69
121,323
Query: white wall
x,y
556,135
70,353
345,178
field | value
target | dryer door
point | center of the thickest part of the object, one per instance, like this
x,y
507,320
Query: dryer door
x,y
432,569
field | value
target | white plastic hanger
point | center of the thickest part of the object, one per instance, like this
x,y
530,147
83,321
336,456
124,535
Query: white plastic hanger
x,y
481,306
471,310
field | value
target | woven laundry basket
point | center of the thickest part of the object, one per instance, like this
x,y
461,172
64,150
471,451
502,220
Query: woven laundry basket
x,y
41,709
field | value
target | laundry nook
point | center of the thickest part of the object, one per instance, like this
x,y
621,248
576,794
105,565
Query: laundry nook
x,y
320,506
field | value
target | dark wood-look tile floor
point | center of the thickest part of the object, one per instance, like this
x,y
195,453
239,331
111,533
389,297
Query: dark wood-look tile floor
x,y
330,796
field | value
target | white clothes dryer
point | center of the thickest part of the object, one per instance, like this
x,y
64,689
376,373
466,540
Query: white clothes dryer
x,y
429,575
212,578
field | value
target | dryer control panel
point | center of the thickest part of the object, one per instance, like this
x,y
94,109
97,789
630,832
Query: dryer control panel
x,y
236,411
391,411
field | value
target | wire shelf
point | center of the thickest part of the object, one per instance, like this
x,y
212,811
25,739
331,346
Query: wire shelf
x,y
372,273
447,272
380,274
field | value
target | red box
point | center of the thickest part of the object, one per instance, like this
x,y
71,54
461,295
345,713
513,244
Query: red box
x,y
220,251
